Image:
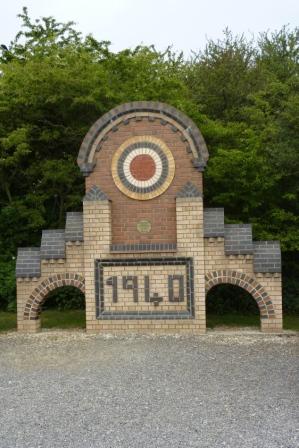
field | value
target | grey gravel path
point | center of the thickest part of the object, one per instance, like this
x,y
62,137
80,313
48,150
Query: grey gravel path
x,y
62,389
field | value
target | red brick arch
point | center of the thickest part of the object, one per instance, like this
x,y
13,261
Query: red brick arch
x,y
254,288
38,296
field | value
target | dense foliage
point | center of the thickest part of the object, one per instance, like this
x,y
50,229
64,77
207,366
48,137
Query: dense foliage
x,y
242,94
66,298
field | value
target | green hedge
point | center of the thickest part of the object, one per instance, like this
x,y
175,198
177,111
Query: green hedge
x,y
7,285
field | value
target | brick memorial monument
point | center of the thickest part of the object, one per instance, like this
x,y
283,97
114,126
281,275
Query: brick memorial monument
x,y
144,250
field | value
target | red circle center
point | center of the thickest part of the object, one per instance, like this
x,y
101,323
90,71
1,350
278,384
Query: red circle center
x,y
143,167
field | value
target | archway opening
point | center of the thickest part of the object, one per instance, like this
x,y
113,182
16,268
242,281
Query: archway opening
x,y
231,306
63,307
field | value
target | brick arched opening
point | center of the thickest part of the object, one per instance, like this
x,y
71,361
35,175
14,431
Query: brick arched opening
x,y
38,296
255,289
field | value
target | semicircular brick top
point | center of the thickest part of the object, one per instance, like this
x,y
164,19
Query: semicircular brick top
x,y
151,109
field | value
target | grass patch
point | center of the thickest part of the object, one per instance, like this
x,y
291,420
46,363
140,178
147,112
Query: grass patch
x,y
63,319
290,322
8,321
232,320
50,319
76,319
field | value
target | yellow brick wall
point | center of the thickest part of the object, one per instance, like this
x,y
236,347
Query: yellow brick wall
x,y
97,239
207,253
215,259
74,263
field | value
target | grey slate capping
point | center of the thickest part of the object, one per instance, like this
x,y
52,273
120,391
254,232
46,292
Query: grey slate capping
x,y
95,194
53,244
143,316
28,262
199,165
213,219
87,168
267,256
144,247
238,239
120,112
74,226
189,190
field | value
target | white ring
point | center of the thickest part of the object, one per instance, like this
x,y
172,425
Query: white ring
x,y
142,183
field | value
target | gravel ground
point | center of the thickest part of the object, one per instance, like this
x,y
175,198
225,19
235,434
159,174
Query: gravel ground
x,y
69,389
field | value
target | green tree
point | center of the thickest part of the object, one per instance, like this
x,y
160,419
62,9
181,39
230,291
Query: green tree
x,y
242,94
54,84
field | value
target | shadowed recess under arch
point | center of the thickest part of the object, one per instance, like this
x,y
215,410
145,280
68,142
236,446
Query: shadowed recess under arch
x,y
34,304
255,289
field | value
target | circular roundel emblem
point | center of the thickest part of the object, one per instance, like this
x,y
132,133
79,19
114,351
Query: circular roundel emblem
x,y
143,167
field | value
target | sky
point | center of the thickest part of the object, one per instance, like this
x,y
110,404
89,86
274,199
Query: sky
x,y
184,24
